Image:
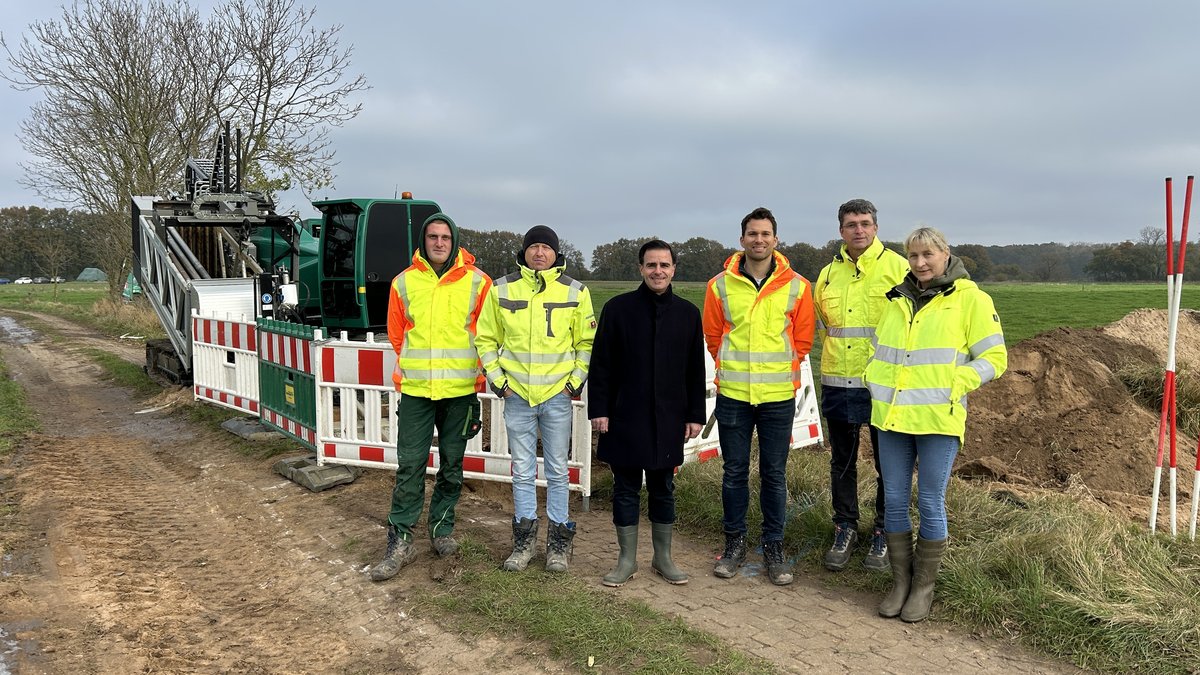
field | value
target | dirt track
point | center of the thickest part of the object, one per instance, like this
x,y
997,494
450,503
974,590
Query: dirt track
x,y
141,543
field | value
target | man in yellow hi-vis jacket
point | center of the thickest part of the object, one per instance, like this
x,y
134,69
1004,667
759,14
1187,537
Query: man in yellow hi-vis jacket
x,y
850,295
535,343
432,313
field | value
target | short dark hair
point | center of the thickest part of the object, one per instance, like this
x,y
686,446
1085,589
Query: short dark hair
x,y
860,207
761,213
655,245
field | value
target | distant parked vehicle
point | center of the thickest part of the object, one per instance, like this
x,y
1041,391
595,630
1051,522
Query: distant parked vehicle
x,y
41,280
23,280
57,280
5,280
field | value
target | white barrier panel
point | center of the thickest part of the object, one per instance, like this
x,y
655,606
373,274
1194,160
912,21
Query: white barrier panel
x,y
356,424
806,426
225,361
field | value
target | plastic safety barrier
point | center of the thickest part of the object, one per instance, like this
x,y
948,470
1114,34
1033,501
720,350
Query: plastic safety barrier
x,y
225,361
356,424
286,381
806,425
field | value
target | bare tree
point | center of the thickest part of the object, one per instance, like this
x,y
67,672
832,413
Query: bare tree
x,y
133,87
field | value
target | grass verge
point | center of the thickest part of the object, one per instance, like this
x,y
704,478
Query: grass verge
x,y
578,622
16,418
1056,572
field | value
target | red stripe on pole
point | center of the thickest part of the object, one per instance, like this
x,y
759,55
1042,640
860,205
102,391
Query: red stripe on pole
x,y
253,406
207,330
237,336
370,454
1183,231
573,476
705,455
292,352
370,367
221,334
476,464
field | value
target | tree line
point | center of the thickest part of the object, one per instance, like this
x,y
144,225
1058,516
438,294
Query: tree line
x,y
36,241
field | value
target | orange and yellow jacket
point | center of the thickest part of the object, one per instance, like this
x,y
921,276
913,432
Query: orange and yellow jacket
x,y
759,337
432,325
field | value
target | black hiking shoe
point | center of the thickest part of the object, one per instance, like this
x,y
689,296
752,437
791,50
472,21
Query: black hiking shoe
x,y
779,568
400,552
733,557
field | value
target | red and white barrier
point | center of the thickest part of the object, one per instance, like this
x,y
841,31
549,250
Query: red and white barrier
x,y
356,424
806,426
225,361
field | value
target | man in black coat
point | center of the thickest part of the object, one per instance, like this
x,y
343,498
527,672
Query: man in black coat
x,y
646,399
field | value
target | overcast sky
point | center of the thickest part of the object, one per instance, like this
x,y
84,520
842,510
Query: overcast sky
x,y
999,122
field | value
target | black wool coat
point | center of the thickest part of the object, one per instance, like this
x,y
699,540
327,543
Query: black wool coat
x,y
647,377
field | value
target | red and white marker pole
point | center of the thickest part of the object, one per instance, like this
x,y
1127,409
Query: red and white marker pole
x,y
1167,421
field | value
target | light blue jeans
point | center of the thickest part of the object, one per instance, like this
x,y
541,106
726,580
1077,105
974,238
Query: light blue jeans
x,y
553,419
933,455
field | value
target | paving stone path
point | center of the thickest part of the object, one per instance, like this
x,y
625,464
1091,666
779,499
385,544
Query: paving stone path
x,y
805,627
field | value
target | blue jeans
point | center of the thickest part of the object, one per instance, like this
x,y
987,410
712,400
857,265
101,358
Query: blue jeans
x,y
553,419
934,456
736,421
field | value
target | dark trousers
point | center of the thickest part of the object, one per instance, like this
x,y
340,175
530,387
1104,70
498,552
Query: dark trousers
x,y
843,472
736,422
627,494
416,419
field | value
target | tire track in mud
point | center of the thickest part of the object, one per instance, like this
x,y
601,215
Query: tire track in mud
x,y
151,546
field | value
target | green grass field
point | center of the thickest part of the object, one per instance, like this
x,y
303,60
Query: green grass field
x,y
1025,309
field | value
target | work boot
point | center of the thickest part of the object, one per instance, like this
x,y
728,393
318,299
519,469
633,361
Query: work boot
x,y
627,560
900,550
525,533
400,552
779,570
733,557
838,555
926,560
445,546
660,535
877,557
559,538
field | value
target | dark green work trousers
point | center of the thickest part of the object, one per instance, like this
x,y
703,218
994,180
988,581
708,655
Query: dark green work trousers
x,y
416,419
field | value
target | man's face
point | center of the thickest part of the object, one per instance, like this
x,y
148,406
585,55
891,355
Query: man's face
x,y
759,240
657,269
438,242
539,257
858,231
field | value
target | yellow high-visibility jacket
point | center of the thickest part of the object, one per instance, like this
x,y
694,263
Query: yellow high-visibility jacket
x,y
535,334
432,326
925,363
758,338
850,298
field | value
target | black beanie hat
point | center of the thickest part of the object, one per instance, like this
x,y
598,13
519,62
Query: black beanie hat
x,y
540,234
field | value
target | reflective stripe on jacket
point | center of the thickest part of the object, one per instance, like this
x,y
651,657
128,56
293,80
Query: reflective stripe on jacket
x,y
925,364
536,332
850,297
432,325
758,338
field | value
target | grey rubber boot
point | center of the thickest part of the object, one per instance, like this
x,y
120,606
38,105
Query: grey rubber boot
x,y
400,552
525,533
662,564
926,561
626,560
900,550
559,538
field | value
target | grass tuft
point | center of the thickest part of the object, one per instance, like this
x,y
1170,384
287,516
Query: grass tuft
x,y
1145,381
16,417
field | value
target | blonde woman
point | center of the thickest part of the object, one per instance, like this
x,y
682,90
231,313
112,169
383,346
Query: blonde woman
x,y
939,339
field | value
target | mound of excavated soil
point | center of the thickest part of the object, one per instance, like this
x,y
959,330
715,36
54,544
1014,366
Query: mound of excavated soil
x,y
1060,417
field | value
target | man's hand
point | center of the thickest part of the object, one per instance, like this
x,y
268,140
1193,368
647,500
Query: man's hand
x,y
600,425
691,430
